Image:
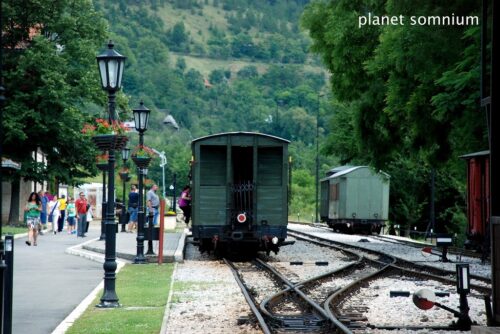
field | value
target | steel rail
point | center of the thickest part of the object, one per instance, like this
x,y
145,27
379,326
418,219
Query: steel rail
x,y
269,301
401,262
308,300
452,250
338,295
248,298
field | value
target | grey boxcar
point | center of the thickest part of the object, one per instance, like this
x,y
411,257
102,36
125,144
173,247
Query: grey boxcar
x,y
240,191
355,199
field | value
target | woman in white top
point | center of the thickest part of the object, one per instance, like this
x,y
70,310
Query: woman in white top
x,y
54,212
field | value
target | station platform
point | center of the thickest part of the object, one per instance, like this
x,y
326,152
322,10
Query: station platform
x,y
174,238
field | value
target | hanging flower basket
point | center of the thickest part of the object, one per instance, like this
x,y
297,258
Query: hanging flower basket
x,y
141,162
110,142
102,166
143,151
100,126
101,159
123,175
148,182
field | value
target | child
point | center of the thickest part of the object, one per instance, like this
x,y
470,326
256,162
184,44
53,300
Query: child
x,y
71,212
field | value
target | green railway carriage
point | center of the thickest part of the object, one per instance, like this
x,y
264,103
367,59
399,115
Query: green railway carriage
x,y
240,191
355,199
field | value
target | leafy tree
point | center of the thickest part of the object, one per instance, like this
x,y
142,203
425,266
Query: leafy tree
x,y
409,100
218,46
47,82
48,79
242,45
181,64
302,192
249,71
178,36
297,124
194,81
216,76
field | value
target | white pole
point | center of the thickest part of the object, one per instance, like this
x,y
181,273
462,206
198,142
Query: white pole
x,y
163,174
163,163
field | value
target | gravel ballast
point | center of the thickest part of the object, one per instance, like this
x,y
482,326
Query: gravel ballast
x,y
206,298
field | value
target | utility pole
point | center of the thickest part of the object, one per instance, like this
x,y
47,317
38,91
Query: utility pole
x,y
316,220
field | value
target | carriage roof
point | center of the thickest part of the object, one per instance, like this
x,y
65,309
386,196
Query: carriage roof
x,y
239,133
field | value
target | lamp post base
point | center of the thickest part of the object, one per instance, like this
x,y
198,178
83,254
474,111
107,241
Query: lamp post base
x,y
140,260
150,236
108,305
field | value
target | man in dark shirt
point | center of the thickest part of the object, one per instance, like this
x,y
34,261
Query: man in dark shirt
x,y
133,207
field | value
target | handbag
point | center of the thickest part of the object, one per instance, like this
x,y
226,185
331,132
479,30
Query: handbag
x,y
51,215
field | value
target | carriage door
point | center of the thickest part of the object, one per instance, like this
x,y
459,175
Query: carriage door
x,y
242,188
212,185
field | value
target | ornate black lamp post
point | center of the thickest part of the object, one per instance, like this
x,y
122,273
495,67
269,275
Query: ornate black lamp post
x,y
124,177
103,167
111,70
141,118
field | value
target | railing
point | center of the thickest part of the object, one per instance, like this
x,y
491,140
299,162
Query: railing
x,y
242,195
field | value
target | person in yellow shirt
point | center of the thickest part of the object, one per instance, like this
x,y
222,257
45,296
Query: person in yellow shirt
x,y
62,209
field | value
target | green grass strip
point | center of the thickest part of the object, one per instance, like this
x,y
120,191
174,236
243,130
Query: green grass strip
x,y
14,230
143,292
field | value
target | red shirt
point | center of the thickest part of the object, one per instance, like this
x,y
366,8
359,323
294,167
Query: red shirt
x,y
81,206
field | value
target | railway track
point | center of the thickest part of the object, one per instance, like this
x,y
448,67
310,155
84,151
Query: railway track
x,y
452,250
337,300
480,283
456,251
352,313
287,310
290,309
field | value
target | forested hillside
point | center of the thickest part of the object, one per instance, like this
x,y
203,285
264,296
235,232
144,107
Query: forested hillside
x,y
219,66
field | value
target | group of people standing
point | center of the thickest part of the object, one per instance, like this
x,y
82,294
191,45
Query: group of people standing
x,y
42,208
153,205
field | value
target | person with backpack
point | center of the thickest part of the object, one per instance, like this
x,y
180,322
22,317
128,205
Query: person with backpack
x,y
54,213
